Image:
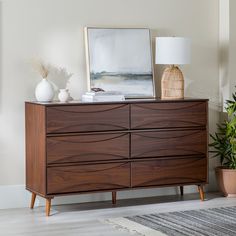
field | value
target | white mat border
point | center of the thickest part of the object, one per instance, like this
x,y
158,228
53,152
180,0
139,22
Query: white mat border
x,y
132,227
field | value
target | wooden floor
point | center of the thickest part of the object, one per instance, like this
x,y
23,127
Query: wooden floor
x,y
86,219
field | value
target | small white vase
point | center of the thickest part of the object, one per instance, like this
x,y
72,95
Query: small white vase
x,y
44,91
63,95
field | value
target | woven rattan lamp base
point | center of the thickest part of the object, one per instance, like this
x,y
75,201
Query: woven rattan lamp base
x,y
172,83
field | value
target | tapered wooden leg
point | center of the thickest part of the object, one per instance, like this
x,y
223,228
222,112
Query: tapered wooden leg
x,y
33,196
181,190
113,197
48,206
201,192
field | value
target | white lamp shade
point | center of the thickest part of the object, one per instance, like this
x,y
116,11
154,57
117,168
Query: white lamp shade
x,y
173,50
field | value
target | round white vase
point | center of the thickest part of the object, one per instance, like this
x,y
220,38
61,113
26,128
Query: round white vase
x,y
44,91
63,95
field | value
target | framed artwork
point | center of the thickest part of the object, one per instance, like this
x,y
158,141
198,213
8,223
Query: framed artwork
x,y
120,59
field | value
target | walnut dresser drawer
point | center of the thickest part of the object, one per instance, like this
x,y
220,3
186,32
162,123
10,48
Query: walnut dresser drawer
x,y
85,118
168,115
82,178
168,143
169,171
87,147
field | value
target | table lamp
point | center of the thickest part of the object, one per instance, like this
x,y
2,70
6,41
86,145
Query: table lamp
x,y
172,51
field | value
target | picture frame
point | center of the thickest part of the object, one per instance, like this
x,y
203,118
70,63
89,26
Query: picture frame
x,y
120,60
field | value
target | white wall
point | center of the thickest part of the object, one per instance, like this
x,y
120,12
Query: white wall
x,y
224,35
53,30
227,47
232,46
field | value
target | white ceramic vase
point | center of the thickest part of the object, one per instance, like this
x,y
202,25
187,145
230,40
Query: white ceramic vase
x,y
63,95
44,91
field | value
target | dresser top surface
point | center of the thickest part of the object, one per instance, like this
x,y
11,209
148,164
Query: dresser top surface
x,y
127,101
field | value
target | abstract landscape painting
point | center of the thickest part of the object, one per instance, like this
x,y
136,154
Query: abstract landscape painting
x,y
120,60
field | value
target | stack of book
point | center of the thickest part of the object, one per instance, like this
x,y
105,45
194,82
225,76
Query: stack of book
x,y
103,97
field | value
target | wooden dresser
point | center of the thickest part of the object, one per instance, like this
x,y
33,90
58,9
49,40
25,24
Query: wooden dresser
x,y
89,147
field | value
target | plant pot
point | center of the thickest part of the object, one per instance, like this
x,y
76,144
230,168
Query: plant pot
x,y
227,181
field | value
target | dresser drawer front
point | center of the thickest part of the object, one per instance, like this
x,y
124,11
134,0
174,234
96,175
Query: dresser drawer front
x,y
172,171
83,118
82,178
168,115
91,147
168,143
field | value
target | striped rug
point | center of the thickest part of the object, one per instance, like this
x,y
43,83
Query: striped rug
x,y
207,222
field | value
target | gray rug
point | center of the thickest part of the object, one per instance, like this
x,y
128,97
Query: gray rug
x,y
210,222
207,222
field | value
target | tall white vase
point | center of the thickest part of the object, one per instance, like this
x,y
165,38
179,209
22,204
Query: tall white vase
x,y
44,91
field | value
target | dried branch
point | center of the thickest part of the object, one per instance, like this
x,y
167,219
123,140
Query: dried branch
x,y
40,67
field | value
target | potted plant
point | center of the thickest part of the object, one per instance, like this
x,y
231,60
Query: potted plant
x,y
224,147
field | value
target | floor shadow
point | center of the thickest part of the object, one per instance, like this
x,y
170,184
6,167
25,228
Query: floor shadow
x,y
131,202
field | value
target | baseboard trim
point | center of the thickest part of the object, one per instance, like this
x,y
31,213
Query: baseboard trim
x,y
16,196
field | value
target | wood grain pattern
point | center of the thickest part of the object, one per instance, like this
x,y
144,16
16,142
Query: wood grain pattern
x,y
163,172
168,115
88,177
87,118
82,148
92,147
168,143
35,134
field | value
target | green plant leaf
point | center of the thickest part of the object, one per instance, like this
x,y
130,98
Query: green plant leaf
x,y
223,143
